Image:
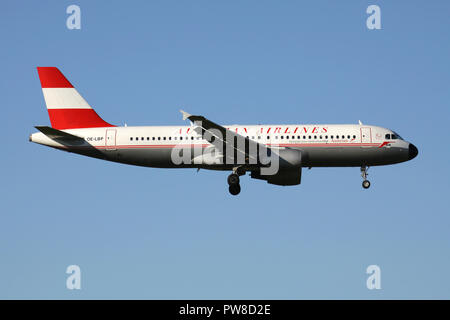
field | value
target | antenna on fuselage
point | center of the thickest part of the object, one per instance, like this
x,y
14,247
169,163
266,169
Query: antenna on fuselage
x,y
360,123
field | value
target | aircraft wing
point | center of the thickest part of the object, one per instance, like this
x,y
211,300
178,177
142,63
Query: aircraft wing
x,y
230,142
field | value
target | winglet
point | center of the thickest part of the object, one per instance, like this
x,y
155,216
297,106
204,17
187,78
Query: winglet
x,y
185,114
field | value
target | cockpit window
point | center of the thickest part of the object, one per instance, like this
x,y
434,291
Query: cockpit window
x,y
396,136
393,136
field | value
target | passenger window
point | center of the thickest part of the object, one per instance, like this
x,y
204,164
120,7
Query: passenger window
x,y
181,138
320,137
259,137
153,138
170,138
131,138
304,137
282,137
164,138
326,137
159,138
148,138
309,137
174,138
354,137
348,137
268,137
276,137
315,137
137,138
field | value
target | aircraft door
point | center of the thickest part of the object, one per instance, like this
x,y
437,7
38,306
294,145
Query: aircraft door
x,y
111,139
366,135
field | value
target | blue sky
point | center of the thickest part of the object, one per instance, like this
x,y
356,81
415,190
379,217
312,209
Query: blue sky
x,y
160,234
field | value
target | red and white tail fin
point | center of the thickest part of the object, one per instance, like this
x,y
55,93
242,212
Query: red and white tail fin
x,y
66,107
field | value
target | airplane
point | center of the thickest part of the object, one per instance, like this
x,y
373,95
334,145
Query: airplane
x,y
272,153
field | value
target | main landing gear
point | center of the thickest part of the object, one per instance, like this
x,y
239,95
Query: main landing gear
x,y
364,174
233,182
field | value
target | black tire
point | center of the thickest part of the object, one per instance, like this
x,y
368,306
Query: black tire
x,y
233,179
366,184
234,189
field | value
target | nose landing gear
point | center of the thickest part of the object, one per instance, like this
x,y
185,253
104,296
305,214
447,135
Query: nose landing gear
x,y
366,184
364,174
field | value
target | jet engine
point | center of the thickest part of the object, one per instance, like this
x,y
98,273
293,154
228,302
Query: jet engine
x,y
286,168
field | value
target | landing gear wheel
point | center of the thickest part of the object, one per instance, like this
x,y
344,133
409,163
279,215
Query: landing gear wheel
x,y
366,184
233,179
234,189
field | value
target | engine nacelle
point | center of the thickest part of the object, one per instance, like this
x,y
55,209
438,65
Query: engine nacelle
x,y
289,171
288,158
285,177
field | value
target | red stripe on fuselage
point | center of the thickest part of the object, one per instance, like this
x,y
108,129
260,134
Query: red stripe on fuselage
x,y
76,119
51,77
170,146
384,143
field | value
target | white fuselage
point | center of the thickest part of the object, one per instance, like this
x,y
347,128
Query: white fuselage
x,y
322,145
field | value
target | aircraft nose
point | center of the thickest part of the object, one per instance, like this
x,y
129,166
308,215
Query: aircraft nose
x,y
413,151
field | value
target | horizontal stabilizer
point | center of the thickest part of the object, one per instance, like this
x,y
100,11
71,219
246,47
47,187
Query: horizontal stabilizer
x,y
56,134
